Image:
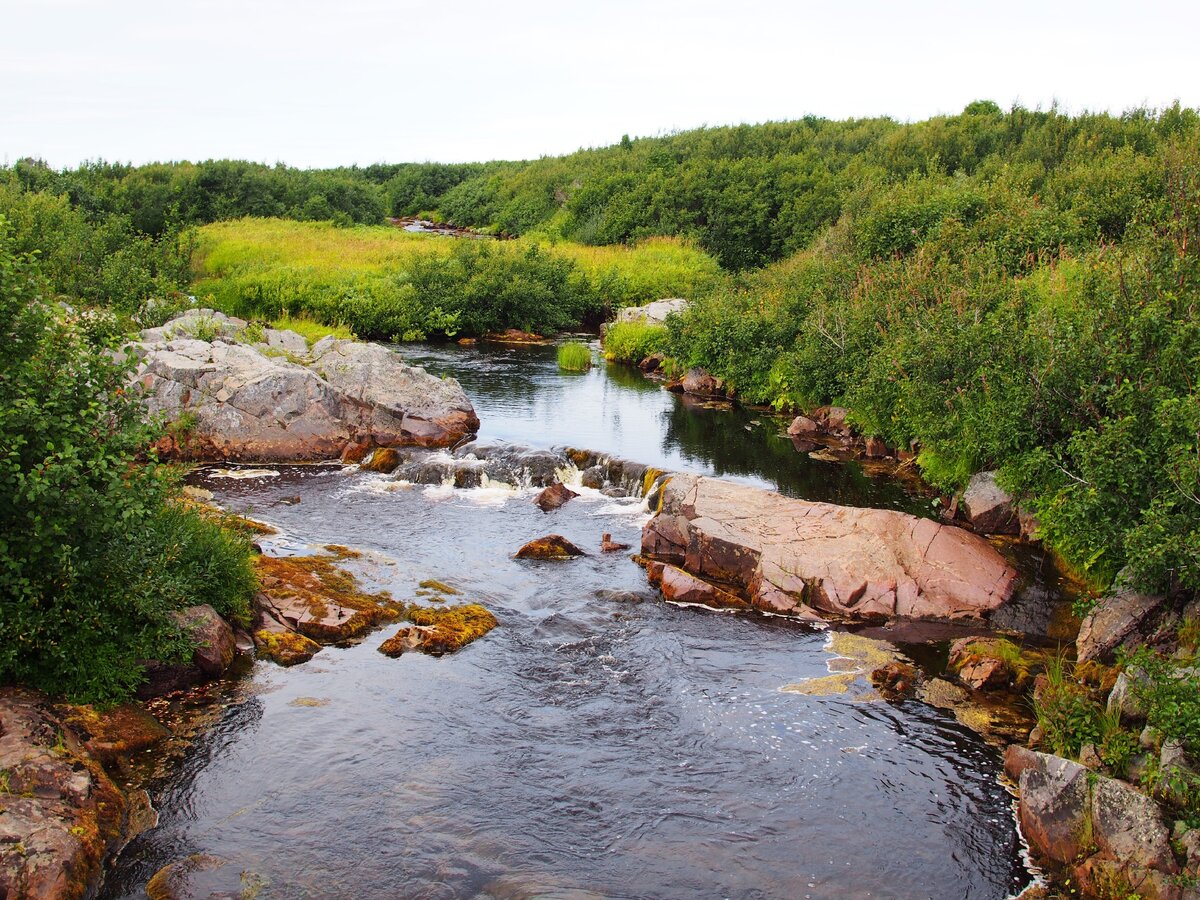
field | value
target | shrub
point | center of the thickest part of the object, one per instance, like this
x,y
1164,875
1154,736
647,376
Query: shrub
x,y
574,357
93,553
1067,716
631,342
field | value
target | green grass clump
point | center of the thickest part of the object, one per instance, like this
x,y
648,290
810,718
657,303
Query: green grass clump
x,y
311,330
574,357
631,342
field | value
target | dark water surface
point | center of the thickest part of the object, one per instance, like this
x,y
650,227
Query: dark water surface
x,y
590,745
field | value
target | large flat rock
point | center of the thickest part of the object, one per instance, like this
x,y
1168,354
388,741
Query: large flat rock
x,y
268,401
794,557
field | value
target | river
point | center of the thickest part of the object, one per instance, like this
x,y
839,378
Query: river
x,y
598,742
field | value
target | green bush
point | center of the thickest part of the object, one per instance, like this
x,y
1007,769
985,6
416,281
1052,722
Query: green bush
x,y
93,554
631,342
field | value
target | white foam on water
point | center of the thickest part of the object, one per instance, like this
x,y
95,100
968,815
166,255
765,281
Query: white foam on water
x,y
241,473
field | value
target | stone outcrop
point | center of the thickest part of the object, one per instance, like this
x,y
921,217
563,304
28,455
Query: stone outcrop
x,y
61,816
1105,830
263,402
795,557
440,630
654,313
214,653
1125,618
987,507
702,384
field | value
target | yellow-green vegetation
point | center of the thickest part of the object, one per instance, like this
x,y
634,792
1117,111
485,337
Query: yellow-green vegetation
x,y
432,584
384,282
311,330
442,629
287,648
1070,714
574,357
631,342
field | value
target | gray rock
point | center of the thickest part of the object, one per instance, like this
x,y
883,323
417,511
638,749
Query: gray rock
x,y
1125,618
1128,825
249,405
987,507
1054,806
1123,698
653,313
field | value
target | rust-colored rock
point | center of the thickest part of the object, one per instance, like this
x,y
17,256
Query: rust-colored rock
x,y
552,546
608,545
381,459
803,425
355,452
111,734
215,644
796,557
679,586
702,384
876,448
553,497
513,336
895,679
440,630
60,814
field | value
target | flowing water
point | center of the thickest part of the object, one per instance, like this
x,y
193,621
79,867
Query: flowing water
x,y
598,742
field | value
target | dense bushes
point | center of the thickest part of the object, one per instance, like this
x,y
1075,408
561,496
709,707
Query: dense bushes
x,y
991,329
94,552
631,342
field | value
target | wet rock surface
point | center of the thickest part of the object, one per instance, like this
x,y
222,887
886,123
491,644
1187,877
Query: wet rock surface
x,y
440,630
794,557
552,546
60,814
1125,618
553,497
262,401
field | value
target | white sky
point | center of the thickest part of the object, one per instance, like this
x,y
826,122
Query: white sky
x,y
360,81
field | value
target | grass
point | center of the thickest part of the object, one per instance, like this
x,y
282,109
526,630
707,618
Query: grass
x,y
310,329
574,357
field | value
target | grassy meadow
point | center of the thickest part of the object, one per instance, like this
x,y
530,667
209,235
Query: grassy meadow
x,y
384,282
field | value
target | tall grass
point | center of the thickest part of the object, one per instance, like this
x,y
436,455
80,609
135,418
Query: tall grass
x,y
574,357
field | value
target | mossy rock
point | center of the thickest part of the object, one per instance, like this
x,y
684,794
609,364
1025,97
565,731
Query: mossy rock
x,y
552,546
287,648
441,630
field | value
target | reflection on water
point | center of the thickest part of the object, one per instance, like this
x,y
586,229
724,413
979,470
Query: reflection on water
x,y
597,740
521,397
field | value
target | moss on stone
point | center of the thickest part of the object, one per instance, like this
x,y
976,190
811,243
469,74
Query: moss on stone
x,y
287,648
440,630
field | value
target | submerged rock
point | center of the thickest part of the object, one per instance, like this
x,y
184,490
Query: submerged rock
x,y
552,546
257,402
381,459
111,734
796,557
202,877
440,630
553,497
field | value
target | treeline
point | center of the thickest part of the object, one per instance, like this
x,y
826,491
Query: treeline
x,y
1040,321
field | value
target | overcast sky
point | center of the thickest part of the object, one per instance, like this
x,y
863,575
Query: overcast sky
x,y
360,81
